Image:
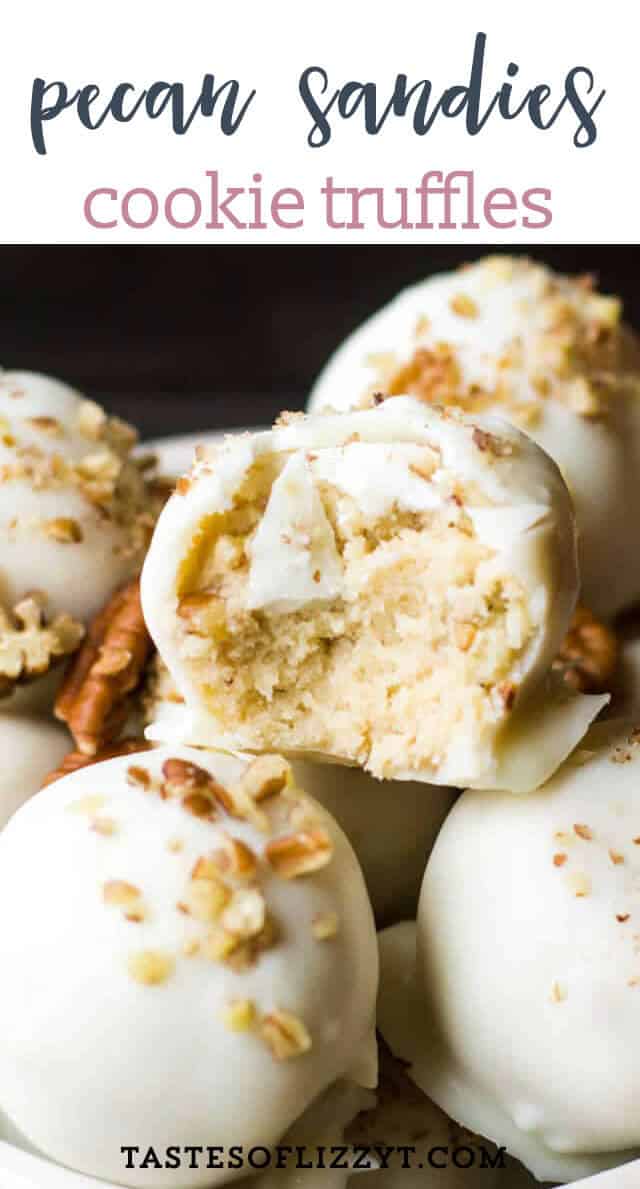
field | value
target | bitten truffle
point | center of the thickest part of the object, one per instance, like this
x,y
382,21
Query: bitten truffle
x,y
384,588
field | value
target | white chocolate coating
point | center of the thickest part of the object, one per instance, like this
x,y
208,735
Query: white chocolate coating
x,y
175,453
322,1124
391,825
71,503
518,512
30,748
529,964
544,351
97,1050
404,1114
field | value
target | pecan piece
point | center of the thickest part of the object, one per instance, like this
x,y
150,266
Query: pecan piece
x,y
93,699
285,1034
589,654
31,644
295,855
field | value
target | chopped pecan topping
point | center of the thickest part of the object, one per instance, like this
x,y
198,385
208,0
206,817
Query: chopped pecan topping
x,y
30,645
235,858
219,945
182,777
464,306
299,854
246,915
265,777
120,893
151,967
432,374
88,805
200,792
490,444
239,1015
589,654
104,826
48,425
139,777
558,993
117,893
199,805
240,945
206,898
325,926
285,1034
93,700
63,529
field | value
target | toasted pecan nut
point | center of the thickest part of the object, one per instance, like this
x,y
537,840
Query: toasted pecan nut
x,y
79,759
589,654
295,855
108,667
31,644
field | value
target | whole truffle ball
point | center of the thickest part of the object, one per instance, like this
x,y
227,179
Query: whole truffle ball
x,y
545,351
188,957
391,825
529,963
74,510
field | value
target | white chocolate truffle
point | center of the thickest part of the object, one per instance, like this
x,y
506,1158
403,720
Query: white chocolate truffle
x,y
384,588
391,825
31,748
529,964
546,352
74,512
446,1156
176,971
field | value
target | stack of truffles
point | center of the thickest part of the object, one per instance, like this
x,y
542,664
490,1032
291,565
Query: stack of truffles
x,y
352,681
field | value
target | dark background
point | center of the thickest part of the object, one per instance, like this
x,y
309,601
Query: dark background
x,y
188,338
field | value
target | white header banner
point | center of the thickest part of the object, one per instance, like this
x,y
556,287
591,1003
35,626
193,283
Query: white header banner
x,y
344,123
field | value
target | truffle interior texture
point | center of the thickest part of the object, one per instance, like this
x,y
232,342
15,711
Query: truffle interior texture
x,y
414,642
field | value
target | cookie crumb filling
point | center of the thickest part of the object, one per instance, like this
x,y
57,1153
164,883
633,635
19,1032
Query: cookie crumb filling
x,y
383,588
307,625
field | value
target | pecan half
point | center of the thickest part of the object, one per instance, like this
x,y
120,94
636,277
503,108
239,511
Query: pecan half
x,y
109,666
589,654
